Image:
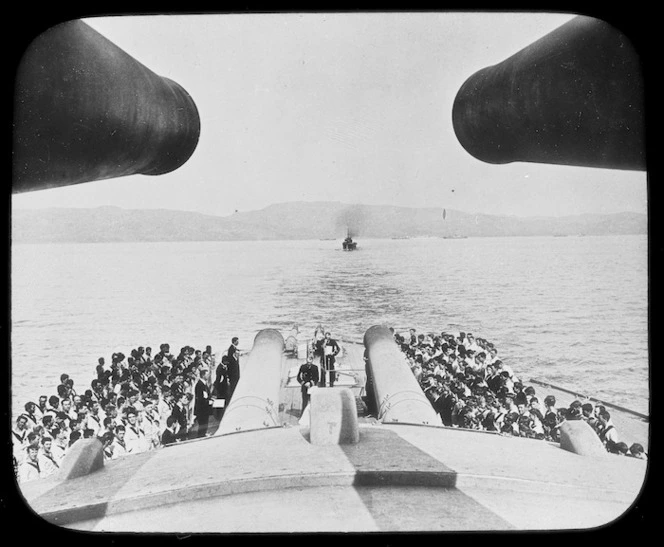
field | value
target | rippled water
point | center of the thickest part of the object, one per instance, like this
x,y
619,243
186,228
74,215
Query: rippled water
x,y
572,310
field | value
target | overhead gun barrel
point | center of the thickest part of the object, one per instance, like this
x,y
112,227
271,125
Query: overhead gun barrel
x,y
573,97
85,110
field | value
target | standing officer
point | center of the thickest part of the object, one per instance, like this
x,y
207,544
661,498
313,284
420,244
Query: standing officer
x,y
202,402
330,351
233,365
307,377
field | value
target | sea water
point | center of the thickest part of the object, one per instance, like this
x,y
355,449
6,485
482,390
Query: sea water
x,y
569,310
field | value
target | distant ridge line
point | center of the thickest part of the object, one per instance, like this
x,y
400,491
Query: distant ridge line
x,y
301,220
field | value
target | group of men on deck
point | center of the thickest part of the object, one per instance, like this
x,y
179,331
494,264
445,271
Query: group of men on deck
x,y
141,403
323,348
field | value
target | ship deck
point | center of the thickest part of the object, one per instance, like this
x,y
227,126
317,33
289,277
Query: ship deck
x,y
399,477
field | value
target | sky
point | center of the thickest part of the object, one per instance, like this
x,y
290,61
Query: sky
x,y
350,107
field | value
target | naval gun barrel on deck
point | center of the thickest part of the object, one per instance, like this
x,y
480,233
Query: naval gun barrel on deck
x,y
573,97
85,110
255,401
399,398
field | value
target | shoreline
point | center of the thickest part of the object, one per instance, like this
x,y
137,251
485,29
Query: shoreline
x,y
313,239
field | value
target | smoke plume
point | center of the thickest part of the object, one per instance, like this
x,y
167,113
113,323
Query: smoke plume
x,y
352,220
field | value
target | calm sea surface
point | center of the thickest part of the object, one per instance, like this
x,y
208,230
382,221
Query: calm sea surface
x,y
571,310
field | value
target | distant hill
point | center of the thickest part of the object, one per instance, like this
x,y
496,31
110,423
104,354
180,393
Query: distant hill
x,y
299,220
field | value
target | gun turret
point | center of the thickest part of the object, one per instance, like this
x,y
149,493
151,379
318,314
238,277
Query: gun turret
x,y
574,97
86,110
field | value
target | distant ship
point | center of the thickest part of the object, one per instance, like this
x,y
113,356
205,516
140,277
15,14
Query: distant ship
x,y
348,243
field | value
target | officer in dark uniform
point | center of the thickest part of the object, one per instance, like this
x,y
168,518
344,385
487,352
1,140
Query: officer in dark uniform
x,y
307,377
330,351
233,371
220,385
369,390
202,403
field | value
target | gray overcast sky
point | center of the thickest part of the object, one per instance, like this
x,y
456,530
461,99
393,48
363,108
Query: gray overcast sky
x,y
346,107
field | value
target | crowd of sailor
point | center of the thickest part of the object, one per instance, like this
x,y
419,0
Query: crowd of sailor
x,y
471,387
139,403
144,401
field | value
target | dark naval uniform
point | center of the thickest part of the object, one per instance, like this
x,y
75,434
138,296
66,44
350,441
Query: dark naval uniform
x,y
369,390
233,371
330,350
307,377
202,407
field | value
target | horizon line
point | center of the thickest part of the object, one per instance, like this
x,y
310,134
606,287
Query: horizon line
x,y
322,202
